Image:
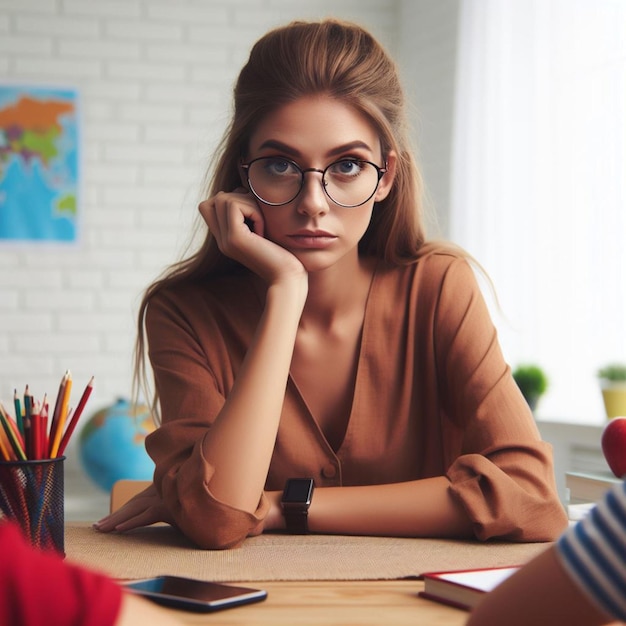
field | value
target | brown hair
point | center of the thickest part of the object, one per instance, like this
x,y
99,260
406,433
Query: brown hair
x,y
340,60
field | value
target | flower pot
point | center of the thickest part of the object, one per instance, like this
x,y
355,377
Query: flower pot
x,y
614,396
533,400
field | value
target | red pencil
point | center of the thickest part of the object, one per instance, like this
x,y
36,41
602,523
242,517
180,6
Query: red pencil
x,y
77,413
35,420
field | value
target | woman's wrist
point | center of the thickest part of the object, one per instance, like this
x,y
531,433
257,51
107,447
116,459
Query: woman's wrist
x,y
290,291
274,519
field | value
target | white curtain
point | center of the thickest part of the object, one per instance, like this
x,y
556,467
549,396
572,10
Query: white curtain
x,y
539,184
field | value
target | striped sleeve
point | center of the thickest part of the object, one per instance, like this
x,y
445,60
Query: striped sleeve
x,y
594,553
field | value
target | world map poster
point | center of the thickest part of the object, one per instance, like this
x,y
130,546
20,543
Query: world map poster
x,y
39,163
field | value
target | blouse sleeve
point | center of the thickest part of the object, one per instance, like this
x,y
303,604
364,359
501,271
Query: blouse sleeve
x,y
500,469
593,553
191,393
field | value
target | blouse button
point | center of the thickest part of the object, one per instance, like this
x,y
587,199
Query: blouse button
x,y
329,471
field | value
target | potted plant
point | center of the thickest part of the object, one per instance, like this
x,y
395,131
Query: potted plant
x,y
613,385
532,381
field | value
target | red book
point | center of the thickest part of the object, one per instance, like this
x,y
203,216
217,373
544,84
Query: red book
x,y
463,588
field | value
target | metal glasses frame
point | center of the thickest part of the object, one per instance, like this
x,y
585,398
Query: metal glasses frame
x,y
381,171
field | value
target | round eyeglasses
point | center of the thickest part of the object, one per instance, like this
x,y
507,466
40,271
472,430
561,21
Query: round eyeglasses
x,y
347,182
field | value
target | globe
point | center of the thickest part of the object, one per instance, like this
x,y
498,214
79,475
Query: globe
x,y
112,444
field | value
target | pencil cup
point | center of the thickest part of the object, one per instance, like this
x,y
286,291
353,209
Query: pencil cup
x,y
32,495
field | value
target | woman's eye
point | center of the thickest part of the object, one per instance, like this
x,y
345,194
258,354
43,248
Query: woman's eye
x,y
279,167
346,168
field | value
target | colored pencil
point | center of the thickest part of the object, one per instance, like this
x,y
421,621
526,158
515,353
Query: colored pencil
x,y
35,425
56,415
12,435
42,415
27,437
77,413
56,441
5,447
27,424
18,411
15,430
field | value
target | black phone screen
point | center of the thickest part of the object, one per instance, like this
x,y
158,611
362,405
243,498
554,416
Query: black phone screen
x,y
195,595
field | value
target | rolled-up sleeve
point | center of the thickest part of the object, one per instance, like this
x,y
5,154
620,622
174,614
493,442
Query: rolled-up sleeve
x,y
185,487
499,468
191,393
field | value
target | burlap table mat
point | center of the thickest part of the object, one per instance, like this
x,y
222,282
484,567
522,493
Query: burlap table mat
x,y
163,550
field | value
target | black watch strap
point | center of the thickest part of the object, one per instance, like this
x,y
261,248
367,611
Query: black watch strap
x,y
295,503
296,521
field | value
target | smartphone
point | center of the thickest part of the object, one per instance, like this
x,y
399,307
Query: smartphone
x,y
194,595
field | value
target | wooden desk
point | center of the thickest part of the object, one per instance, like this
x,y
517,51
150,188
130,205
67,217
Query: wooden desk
x,y
310,580
354,603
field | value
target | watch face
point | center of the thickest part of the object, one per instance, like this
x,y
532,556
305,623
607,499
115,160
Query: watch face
x,y
298,490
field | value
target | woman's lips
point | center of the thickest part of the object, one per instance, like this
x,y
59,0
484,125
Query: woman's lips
x,y
312,239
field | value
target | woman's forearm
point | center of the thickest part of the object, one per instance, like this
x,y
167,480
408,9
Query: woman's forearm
x,y
239,444
421,508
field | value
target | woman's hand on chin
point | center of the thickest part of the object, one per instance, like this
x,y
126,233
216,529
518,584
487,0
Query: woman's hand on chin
x,y
143,509
237,224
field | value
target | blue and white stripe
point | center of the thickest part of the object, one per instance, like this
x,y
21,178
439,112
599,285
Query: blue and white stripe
x,y
594,553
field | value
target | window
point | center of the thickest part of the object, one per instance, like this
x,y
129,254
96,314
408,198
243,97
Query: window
x,y
539,183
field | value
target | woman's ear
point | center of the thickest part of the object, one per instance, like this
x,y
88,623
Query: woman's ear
x,y
386,182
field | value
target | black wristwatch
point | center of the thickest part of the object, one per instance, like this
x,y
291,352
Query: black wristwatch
x,y
295,502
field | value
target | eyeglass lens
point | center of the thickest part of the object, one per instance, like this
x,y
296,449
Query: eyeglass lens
x,y
348,182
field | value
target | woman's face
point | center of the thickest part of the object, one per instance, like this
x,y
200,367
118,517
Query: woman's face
x,y
314,132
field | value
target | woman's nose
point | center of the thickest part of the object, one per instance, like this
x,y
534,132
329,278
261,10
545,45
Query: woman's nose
x,y
312,199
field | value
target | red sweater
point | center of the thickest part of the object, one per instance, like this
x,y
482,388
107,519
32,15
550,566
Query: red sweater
x,y
38,588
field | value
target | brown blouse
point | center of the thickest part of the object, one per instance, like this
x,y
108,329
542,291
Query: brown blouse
x,y
433,397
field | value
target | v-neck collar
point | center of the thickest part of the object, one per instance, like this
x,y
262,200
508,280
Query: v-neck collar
x,y
363,351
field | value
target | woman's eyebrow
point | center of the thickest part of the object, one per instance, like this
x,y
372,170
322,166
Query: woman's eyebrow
x,y
280,146
348,147
294,152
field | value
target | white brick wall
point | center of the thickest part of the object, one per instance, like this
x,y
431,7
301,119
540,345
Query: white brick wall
x,y
154,78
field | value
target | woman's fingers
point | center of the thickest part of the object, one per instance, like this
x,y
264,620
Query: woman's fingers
x,y
145,518
236,222
143,509
231,217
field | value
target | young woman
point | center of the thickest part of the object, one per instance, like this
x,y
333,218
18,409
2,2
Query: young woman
x,y
316,335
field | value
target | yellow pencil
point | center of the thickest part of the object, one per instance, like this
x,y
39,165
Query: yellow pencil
x,y
56,414
5,444
54,448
